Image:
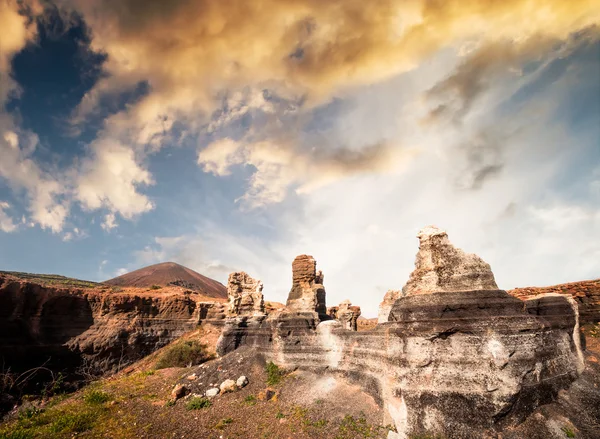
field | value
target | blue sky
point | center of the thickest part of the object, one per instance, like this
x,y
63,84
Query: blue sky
x,y
229,137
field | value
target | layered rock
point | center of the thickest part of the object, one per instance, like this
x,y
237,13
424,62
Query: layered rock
x,y
98,328
245,295
346,314
386,305
308,293
585,293
457,362
440,266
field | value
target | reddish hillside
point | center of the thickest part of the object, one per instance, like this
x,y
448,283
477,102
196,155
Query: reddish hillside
x,y
170,274
586,293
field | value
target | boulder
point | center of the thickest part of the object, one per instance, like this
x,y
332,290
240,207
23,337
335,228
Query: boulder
x,y
242,382
307,293
346,313
179,391
212,392
228,386
441,267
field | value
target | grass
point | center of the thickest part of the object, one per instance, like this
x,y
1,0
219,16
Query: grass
x,y
155,287
223,423
183,353
73,422
250,400
279,415
96,397
274,374
16,434
52,279
568,431
351,427
197,403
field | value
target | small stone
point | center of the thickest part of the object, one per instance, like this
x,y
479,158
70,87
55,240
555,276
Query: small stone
x,y
179,391
228,386
242,381
192,377
267,395
212,392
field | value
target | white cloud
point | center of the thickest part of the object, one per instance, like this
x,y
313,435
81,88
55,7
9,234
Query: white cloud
x,y
110,178
109,222
7,224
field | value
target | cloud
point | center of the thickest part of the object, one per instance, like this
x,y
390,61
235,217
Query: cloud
x,y
6,222
109,178
279,167
109,222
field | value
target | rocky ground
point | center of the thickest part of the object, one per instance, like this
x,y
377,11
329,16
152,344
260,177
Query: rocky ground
x,y
138,403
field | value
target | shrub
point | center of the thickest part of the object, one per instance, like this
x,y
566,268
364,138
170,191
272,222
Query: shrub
x,y
96,397
182,354
250,400
197,403
170,403
155,287
568,431
274,374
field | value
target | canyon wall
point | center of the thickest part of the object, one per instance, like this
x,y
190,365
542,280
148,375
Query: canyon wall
x,y
65,327
456,356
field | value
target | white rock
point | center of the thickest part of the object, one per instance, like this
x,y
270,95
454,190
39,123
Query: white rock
x,y
242,381
211,393
228,386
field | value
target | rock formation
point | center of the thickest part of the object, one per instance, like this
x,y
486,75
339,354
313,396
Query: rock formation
x,y
346,314
458,357
96,327
585,293
442,267
386,305
307,293
245,295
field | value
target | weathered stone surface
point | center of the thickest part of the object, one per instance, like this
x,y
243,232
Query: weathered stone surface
x,y
307,293
585,293
212,392
242,381
346,313
440,267
386,305
245,295
455,362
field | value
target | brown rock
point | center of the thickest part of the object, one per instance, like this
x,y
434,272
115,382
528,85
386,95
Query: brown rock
x,y
179,391
346,313
307,293
441,267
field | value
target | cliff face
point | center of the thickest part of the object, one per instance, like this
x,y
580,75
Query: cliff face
x,y
456,356
66,327
585,293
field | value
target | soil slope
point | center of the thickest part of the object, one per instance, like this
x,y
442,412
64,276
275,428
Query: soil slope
x,y
170,274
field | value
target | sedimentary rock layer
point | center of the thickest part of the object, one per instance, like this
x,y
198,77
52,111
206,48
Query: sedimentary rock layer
x,y
307,293
102,328
245,295
585,293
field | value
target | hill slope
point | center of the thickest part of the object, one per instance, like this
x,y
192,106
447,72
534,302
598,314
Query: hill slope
x,y
170,273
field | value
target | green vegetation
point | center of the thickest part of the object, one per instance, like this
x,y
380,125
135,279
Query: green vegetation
x,y
183,353
70,422
96,397
197,403
274,374
568,431
279,415
223,423
250,400
351,427
155,287
170,403
53,279
425,436
16,434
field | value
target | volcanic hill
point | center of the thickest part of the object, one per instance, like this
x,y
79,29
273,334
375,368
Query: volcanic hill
x,y
170,274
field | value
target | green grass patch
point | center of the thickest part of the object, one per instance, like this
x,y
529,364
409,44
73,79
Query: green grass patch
x,y
568,432
73,422
183,353
197,403
274,374
155,287
16,434
250,400
351,427
96,397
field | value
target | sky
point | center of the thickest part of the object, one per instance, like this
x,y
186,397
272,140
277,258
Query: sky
x,y
236,135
